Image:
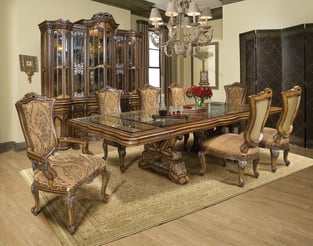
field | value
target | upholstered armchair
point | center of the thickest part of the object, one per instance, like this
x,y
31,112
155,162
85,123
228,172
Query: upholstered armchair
x,y
178,99
149,97
109,103
236,94
244,147
277,139
59,172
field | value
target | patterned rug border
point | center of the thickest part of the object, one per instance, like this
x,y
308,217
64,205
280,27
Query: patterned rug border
x,y
127,209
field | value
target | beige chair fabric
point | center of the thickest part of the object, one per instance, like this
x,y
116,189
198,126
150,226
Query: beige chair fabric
x,y
149,97
109,100
277,139
236,94
55,171
109,103
241,147
177,95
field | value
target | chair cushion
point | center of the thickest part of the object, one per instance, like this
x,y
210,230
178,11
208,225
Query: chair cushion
x,y
72,170
228,146
268,137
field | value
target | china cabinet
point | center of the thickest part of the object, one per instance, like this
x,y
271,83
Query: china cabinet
x,y
79,58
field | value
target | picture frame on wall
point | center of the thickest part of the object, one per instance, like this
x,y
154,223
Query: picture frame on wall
x,y
205,66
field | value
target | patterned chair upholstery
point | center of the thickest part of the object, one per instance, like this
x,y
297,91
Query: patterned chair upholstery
x,y
149,97
109,100
278,139
55,171
109,103
177,95
241,147
236,94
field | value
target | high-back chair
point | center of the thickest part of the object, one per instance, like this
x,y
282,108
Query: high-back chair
x,y
177,95
241,147
109,100
236,94
109,103
149,97
60,172
178,99
277,139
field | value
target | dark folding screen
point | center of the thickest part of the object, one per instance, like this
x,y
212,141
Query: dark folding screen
x,y
280,59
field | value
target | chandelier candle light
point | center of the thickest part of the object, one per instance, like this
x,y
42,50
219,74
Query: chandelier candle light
x,y
184,37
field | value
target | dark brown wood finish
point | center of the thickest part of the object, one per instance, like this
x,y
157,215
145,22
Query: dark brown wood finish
x,y
79,58
159,137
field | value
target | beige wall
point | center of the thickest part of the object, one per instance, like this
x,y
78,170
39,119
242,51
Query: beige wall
x,y
255,14
184,64
20,35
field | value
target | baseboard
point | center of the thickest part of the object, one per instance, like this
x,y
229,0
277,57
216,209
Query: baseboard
x,y
12,146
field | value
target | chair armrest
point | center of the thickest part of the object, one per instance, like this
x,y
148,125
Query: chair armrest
x,y
83,143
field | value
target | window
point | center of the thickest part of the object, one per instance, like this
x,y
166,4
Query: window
x,y
154,64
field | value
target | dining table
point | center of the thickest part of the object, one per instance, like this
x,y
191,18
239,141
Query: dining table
x,y
159,134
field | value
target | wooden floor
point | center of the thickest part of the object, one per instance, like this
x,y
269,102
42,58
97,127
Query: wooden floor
x,y
280,213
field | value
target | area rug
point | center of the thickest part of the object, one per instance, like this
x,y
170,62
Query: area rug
x,y
142,199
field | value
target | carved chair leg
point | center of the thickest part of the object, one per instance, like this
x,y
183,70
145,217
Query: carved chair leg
x,y
105,179
105,150
286,152
36,209
69,207
255,165
274,157
202,162
241,171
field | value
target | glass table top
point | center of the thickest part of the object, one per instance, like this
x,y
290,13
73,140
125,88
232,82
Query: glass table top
x,y
144,120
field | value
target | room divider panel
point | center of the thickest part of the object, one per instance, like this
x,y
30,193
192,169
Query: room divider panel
x,y
280,59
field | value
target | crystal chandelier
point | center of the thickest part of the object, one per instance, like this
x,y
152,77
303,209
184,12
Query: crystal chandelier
x,y
185,37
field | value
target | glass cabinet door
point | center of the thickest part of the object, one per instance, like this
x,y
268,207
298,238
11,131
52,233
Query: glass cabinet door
x,y
78,64
61,63
95,60
120,55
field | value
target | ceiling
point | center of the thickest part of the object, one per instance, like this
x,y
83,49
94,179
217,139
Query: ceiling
x,y
162,4
143,8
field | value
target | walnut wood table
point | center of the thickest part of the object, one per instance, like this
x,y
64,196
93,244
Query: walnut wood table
x,y
159,134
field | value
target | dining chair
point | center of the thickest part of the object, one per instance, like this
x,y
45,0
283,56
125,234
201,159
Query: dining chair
x,y
177,95
277,139
149,97
109,103
244,147
236,94
178,99
58,172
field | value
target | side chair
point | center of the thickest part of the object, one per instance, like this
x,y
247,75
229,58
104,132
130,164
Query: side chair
x,y
244,147
58,172
236,94
277,139
149,96
178,99
109,103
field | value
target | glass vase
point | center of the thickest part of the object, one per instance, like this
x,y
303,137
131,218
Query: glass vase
x,y
199,102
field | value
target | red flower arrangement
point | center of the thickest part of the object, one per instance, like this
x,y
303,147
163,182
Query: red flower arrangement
x,y
204,92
